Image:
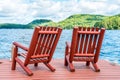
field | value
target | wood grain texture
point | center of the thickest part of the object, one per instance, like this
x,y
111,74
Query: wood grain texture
x,y
108,71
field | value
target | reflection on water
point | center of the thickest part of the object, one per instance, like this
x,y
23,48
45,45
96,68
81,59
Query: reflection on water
x,y
110,48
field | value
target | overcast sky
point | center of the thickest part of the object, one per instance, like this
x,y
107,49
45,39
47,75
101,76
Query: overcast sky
x,y
24,11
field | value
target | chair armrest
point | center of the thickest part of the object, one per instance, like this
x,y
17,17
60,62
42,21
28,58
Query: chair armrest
x,y
68,44
20,46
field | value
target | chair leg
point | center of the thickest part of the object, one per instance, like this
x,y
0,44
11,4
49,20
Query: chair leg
x,y
72,69
36,64
65,62
14,55
87,63
13,64
27,70
49,66
96,67
66,53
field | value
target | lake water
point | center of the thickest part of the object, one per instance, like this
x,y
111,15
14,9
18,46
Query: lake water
x,y
110,49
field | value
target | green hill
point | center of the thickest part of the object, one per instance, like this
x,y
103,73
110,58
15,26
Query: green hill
x,y
32,24
11,26
38,22
78,20
86,20
112,22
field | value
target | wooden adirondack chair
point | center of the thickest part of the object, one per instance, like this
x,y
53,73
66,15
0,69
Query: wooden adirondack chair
x,y
41,49
85,46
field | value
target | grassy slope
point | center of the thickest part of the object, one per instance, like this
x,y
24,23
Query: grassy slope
x,y
112,22
78,20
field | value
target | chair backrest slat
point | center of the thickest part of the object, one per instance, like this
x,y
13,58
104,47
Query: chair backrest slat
x,y
94,43
45,45
82,41
78,42
86,41
90,42
50,44
40,41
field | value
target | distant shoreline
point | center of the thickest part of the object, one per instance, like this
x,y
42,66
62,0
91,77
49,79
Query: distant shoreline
x,y
85,20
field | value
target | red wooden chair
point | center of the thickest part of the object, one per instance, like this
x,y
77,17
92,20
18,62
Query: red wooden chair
x,y
41,49
85,46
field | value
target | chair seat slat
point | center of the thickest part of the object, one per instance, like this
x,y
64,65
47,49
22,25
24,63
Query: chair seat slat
x,y
32,61
23,55
83,58
40,56
84,55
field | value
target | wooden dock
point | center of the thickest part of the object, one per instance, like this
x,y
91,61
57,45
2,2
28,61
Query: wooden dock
x,y
108,72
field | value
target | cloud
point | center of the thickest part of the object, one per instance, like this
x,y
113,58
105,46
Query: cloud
x,y
12,10
98,7
24,11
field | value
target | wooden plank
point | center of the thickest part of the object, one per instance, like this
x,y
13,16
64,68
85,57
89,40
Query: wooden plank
x,y
48,32
88,32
